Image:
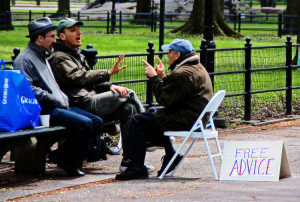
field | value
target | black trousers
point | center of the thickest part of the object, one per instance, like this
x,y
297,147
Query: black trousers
x,y
144,129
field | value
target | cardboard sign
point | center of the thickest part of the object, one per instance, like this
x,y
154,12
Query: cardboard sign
x,y
254,161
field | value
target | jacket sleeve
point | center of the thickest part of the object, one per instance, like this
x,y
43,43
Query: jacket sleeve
x,y
43,96
171,91
73,73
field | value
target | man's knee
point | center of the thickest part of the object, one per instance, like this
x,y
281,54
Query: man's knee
x,y
127,110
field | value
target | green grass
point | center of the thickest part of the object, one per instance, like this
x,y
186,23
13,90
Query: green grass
x,y
134,40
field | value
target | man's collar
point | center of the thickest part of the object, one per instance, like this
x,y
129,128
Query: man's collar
x,y
40,50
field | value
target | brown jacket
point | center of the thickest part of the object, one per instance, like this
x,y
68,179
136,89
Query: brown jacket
x,y
74,76
184,93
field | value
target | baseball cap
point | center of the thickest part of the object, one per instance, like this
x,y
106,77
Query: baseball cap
x,y
179,45
65,23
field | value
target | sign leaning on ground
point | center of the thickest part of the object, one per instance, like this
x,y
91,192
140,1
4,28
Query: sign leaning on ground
x,y
254,161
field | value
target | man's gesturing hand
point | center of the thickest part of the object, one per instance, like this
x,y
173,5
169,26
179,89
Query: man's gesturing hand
x,y
116,68
160,69
149,70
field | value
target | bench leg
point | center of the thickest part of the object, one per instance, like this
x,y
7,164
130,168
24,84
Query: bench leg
x,y
4,148
28,161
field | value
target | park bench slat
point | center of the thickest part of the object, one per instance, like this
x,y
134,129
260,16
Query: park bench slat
x,y
30,132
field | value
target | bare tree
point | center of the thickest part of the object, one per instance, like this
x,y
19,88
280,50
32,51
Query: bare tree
x,y
196,21
38,2
5,17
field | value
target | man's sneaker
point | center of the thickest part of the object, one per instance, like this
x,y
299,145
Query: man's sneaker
x,y
166,160
149,168
128,163
132,173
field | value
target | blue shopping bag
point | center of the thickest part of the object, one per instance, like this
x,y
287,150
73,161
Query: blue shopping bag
x,y
19,107
2,63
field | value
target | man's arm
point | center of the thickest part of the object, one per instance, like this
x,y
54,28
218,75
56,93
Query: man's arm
x,y
71,72
170,91
43,96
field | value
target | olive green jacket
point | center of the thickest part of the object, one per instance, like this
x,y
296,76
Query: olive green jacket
x,y
184,93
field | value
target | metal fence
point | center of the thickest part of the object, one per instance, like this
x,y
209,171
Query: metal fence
x,y
261,82
116,22
284,23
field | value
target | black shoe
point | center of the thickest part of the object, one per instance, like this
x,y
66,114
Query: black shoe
x,y
132,173
166,160
70,170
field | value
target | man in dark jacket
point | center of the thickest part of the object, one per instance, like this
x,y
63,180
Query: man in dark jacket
x,y
81,124
183,93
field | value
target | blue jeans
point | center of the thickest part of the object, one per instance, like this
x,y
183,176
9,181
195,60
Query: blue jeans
x,y
82,126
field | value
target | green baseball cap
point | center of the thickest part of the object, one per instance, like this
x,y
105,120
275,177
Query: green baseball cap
x,y
65,23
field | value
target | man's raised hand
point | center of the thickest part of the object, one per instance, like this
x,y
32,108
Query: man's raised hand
x,y
160,69
149,70
116,68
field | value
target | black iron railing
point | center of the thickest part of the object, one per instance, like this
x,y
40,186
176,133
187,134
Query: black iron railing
x,y
260,81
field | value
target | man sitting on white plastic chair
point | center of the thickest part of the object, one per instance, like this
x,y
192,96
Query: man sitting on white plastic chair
x,y
183,93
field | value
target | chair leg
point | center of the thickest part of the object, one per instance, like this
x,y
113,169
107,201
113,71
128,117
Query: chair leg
x,y
219,149
210,159
173,158
185,154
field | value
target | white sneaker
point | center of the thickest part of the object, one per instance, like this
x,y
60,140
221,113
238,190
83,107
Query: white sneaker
x,y
149,168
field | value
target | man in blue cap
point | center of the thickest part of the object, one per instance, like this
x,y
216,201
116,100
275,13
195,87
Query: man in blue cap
x,y
183,93
81,124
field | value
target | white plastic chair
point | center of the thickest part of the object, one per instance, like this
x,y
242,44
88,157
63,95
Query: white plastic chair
x,y
207,132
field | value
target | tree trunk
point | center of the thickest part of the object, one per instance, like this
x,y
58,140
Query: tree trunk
x,y
292,8
266,3
196,21
5,16
38,2
143,6
64,6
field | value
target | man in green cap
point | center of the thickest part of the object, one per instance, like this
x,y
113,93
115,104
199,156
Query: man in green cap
x,y
90,89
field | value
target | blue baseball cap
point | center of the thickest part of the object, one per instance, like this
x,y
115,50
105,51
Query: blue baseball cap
x,y
179,45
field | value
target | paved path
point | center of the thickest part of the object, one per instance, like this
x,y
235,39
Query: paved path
x,y
192,182
43,6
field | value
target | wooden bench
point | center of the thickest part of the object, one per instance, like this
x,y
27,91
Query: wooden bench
x,y
30,147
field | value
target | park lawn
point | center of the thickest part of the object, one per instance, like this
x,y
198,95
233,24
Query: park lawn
x,y
133,40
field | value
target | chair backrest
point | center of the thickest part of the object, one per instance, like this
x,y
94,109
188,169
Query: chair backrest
x,y
210,108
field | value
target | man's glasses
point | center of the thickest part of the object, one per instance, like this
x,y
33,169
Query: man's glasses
x,y
51,36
